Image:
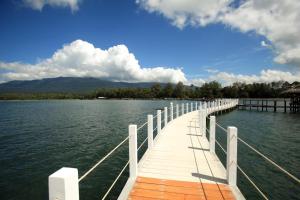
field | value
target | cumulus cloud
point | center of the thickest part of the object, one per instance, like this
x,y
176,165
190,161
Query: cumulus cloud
x,y
39,4
82,59
278,21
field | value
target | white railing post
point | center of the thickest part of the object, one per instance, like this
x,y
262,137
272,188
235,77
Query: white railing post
x,y
171,111
191,106
158,121
133,151
63,184
187,107
212,133
204,118
150,131
166,116
177,110
204,122
231,164
182,109
196,104
200,118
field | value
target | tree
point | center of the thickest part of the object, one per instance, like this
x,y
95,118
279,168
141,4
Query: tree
x,y
168,90
179,90
156,90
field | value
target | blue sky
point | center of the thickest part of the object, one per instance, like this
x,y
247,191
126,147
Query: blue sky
x,y
29,36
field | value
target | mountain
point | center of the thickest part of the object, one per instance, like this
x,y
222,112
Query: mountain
x,y
66,85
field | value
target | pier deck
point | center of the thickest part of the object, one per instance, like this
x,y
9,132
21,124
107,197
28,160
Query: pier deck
x,y
180,166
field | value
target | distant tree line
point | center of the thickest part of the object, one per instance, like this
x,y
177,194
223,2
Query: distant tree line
x,y
208,90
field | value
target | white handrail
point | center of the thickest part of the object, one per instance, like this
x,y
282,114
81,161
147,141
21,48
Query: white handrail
x,y
103,159
271,161
265,157
247,177
113,184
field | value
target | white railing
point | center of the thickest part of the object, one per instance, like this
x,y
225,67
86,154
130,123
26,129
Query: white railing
x,y
64,183
231,153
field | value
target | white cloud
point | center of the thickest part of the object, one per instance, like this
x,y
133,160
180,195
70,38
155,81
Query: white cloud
x,y
265,76
82,59
187,12
277,20
39,4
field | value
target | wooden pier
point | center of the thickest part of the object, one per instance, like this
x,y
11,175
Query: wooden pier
x,y
268,105
181,163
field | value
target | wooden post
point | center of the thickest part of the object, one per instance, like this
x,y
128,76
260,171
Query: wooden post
x,y
250,105
177,110
150,131
275,106
166,116
63,184
231,164
133,151
171,111
191,106
212,133
182,109
285,106
158,121
196,104
262,105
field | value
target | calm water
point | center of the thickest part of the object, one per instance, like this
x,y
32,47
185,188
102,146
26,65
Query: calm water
x,y
39,137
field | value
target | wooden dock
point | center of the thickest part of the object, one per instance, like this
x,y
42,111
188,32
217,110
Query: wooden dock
x,y
180,165
268,105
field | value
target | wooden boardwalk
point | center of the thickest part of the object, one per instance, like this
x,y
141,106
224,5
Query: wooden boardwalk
x,y
180,166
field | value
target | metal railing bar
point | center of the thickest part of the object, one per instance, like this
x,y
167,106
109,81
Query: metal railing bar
x,y
113,184
271,161
221,127
103,159
246,176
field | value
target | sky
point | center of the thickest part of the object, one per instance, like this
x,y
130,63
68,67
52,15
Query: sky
x,y
193,41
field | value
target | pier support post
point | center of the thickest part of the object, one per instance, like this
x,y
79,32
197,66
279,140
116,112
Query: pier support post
x,y
177,110
187,107
171,111
191,106
150,131
212,133
166,116
231,164
158,121
182,109
133,151
63,184
196,104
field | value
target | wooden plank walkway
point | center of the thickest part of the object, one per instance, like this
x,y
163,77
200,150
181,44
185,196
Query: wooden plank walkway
x,y
151,188
180,166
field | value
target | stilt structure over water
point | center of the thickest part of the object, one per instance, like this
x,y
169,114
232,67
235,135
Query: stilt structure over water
x,y
294,94
179,163
273,105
